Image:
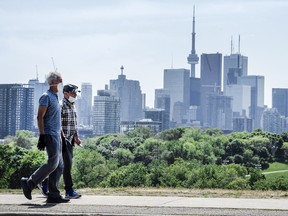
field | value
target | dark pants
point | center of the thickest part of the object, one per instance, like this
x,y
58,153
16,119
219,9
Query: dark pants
x,y
53,168
67,159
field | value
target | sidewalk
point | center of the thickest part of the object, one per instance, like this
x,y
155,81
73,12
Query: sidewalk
x,y
125,205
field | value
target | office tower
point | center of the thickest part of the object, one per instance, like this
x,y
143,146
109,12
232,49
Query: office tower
x,y
129,92
158,115
220,112
235,66
257,97
195,84
39,89
106,113
280,100
242,124
162,101
272,121
84,105
193,58
176,82
211,67
16,108
241,99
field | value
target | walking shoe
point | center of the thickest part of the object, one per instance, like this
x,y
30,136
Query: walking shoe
x,y
71,194
44,189
26,190
59,199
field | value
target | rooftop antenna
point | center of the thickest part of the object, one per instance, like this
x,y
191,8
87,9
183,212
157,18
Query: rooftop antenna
x,y
239,44
55,69
172,61
232,46
37,72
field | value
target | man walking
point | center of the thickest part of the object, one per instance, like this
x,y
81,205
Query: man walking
x,y
70,135
49,125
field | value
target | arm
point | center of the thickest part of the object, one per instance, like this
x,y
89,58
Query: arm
x,y
40,118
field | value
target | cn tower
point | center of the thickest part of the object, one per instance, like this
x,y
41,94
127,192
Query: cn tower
x,y
193,58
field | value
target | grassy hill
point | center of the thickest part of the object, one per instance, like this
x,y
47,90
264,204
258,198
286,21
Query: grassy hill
x,y
276,170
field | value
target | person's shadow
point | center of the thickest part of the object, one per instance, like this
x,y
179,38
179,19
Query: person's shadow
x,y
40,206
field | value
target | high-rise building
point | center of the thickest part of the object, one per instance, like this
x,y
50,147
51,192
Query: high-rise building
x,y
257,97
162,101
280,100
158,115
241,99
176,81
220,112
129,92
84,105
39,89
195,84
106,113
235,66
211,70
272,121
242,124
16,108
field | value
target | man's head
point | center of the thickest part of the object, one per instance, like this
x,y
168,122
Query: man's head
x,y
54,79
70,92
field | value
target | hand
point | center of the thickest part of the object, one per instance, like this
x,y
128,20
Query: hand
x,y
77,140
42,141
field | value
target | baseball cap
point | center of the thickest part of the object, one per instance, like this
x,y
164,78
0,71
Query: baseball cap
x,y
70,88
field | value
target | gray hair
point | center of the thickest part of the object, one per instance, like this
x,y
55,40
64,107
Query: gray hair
x,y
52,76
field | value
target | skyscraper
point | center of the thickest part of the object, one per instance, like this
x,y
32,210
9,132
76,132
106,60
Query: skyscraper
x,y
235,66
211,68
16,108
272,121
257,97
176,81
158,115
220,112
39,89
106,113
280,100
84,105
129,92
241,99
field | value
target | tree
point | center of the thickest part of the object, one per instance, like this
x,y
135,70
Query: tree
x,y
89,168
24,139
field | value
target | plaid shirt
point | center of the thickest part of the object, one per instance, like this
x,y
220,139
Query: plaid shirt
x,y
69,119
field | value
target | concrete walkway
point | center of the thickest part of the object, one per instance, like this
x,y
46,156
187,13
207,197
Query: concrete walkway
x,y
141,205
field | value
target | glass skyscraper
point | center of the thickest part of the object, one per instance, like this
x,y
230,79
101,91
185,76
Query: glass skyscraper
x,y
16,108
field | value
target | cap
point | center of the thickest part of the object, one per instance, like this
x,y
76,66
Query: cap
x,y
70,88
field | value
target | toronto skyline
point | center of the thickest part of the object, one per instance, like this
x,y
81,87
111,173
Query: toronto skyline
x,y
89,40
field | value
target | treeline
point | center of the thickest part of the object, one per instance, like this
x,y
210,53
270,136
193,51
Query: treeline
x,y
179,157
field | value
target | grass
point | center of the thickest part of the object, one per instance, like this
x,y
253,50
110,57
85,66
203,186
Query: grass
x,y
276,170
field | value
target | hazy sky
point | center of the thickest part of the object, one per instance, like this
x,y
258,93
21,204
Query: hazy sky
x,y
89,40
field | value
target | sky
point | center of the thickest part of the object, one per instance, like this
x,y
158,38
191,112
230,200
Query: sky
x,y
89,40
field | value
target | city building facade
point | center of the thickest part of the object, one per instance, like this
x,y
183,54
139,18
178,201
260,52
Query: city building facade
x,y
16,109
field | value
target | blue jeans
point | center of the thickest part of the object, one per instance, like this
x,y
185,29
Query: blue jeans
x,y
52,169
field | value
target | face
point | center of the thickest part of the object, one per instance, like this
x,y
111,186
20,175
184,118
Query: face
x,y
72,94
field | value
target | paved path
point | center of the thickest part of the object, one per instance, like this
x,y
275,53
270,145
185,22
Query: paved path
x,y
143,205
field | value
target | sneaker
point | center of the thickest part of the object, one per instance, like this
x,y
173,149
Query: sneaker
x,y
26,190
44,189
71,194
59,199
